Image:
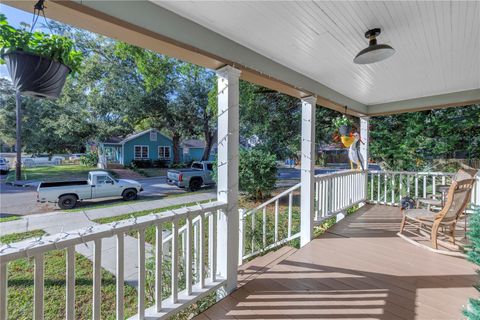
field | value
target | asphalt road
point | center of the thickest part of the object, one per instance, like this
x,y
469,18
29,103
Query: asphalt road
x,y
23,201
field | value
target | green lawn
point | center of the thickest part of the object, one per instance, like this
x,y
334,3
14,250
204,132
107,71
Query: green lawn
x,y
9,218
51,173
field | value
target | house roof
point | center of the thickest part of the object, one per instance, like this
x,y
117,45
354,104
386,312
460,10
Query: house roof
x,y
195,143
122,140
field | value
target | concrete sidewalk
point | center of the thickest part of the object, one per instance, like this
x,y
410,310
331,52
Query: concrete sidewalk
x,y
65,221
57,222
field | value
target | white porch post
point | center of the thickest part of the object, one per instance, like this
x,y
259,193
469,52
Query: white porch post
x,y
227,186
365,136
307,202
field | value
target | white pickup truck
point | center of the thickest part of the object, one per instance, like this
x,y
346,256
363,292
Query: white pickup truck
x,y
99,185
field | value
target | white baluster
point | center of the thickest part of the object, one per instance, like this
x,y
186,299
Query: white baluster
x,y
276,221
120,276
241,236
201,254
188,256
3,290
141,275
290,205
39,285
97,278
70,284
174,261
158,266
264,226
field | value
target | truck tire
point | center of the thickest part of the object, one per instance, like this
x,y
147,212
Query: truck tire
x,y
195,184
68,201
129,194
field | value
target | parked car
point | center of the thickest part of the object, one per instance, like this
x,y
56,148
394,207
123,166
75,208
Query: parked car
x,y
99,185
42,160
4,166
76,156
200,174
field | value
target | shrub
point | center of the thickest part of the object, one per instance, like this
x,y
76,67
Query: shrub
x,y
89,160
257,173
160,163
142,163
473,310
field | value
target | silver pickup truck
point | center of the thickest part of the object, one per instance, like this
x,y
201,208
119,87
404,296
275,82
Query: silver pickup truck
x,y
198,175
99,185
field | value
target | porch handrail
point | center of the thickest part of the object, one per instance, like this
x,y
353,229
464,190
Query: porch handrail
x,y
205,277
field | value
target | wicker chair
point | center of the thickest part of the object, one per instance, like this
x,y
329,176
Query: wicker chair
x,y
457,200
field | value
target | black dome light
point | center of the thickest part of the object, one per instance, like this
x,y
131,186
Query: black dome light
x,y
374,52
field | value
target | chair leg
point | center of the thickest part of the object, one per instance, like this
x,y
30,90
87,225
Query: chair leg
x,y
434,235
402,225
452,230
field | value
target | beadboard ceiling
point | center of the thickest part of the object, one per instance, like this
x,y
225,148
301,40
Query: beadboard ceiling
x,y
437,43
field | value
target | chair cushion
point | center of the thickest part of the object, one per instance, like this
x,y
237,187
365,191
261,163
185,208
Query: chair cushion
x,y
421,214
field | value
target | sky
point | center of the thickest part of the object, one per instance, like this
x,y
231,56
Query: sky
x,y
14,18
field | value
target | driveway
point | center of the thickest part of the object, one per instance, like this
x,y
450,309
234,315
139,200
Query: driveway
x,y
23,200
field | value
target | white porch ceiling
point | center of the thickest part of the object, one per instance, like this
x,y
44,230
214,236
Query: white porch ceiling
x,y
437,43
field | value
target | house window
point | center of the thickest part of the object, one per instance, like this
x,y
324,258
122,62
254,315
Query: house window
x,y
164,153
153,135
141,152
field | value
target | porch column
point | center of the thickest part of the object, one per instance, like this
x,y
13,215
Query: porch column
x,y
307,202
365,136
227,185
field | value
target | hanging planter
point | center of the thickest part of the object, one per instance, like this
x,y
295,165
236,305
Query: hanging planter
x,y
343,125
38,63
36,76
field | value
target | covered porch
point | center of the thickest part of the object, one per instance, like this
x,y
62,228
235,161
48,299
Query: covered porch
x,y
358,269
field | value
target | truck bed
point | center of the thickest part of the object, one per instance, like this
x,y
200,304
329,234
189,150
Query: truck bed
x,y
62,183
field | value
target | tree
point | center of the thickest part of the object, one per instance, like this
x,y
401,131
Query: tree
x,y
197,91
473,310
410,141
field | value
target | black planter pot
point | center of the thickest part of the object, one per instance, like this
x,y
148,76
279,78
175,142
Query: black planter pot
x,y
36,76
345,130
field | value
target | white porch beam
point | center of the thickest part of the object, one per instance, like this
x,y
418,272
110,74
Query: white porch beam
x,y
227,186
365,137
307,202
454,99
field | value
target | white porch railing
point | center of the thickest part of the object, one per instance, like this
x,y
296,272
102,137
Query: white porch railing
x,y
389,187
334,193
337,192
192,242
200,274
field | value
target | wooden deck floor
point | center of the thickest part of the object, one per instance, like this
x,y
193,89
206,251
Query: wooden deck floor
x,y
360,269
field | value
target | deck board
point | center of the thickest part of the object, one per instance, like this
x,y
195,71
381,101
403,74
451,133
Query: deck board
x,y
359,269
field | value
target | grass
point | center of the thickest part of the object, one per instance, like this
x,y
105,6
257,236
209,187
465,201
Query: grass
x,y
9,218
51,173
20,286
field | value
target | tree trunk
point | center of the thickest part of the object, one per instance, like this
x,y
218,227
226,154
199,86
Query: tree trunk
x,y
176,148
209,138
18,142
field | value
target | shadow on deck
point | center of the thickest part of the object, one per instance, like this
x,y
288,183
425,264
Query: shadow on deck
x,y
360,269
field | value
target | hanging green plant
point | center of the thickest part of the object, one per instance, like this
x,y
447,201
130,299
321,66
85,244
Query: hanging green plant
x,y
343,124
38,63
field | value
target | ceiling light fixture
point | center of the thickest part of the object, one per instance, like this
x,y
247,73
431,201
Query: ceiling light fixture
x,y
374,52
